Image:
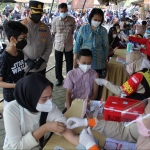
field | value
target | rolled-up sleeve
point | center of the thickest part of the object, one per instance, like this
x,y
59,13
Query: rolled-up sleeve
x,y
79,42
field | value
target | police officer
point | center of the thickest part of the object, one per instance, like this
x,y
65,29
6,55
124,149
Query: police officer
x,y
39,40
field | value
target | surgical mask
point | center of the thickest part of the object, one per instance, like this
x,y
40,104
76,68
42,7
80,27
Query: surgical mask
x,y
114,35
141,127
35,17
63,15
46,107
118,30
95,23
21,44
147,36
84,68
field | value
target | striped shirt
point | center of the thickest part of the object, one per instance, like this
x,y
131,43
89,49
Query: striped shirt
x,y
63,30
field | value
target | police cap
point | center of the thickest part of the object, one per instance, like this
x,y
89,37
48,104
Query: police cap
x,y
36,6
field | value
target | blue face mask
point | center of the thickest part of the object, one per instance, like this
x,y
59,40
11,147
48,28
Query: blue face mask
x,y
147,35
148,31
63,15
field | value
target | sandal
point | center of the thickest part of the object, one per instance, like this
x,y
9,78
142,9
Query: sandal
x,y
1,116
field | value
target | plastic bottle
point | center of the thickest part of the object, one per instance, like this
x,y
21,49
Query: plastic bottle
x,y
129,47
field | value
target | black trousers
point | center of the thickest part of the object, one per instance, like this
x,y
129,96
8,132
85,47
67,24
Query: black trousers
x,y
102,74
59,63
43,72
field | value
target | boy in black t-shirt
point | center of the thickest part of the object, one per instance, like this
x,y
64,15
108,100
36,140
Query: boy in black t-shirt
x,y
12,59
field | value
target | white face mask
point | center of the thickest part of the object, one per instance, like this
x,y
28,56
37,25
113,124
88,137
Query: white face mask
x,y
95,23
46,107
84,68
114,35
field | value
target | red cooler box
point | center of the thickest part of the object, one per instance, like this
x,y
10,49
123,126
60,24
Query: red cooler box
x,y
115,105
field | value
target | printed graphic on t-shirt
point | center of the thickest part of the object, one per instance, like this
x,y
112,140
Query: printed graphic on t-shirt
x,y
18,66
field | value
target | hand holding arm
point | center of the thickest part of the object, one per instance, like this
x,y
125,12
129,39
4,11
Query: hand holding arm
x,y
75,122
87,140
56,127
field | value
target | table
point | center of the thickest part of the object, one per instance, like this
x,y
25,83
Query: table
x,y
56,140
116,73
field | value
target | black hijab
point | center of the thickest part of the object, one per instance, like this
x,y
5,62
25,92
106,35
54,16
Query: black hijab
x,y
27,92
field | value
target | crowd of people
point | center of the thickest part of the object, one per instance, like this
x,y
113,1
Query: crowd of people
x,y
29,113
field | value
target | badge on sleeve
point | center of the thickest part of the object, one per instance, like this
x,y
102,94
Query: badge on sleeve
x,y
132,84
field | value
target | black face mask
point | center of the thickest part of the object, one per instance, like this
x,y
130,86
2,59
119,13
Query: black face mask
x,y
35,18
21,44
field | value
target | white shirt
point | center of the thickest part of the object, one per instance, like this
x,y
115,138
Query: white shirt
x,y
20,123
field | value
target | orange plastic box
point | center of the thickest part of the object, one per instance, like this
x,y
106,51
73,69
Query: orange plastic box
x,y
115,105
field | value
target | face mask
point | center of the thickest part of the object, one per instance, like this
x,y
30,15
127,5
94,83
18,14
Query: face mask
x,y
84,68
147,36
114,35
63,15
118,30
95,23
46,107
35,18
21,44
141,127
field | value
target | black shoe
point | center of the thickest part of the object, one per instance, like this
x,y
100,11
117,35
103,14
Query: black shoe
x,y
58,83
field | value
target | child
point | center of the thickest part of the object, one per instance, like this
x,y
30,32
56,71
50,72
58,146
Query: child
x,y
138,85
80,82
12,59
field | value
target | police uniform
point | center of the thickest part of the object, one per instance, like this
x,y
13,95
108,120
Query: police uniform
x,y
137,80
39,40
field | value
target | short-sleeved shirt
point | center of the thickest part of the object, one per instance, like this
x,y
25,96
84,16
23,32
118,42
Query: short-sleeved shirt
x,y
63,33
11,70
80,83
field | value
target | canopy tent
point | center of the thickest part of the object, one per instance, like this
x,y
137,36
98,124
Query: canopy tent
x,y
79,4
23,1
7,1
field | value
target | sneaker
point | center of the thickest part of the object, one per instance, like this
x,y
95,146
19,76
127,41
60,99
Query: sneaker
x,y
58,83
